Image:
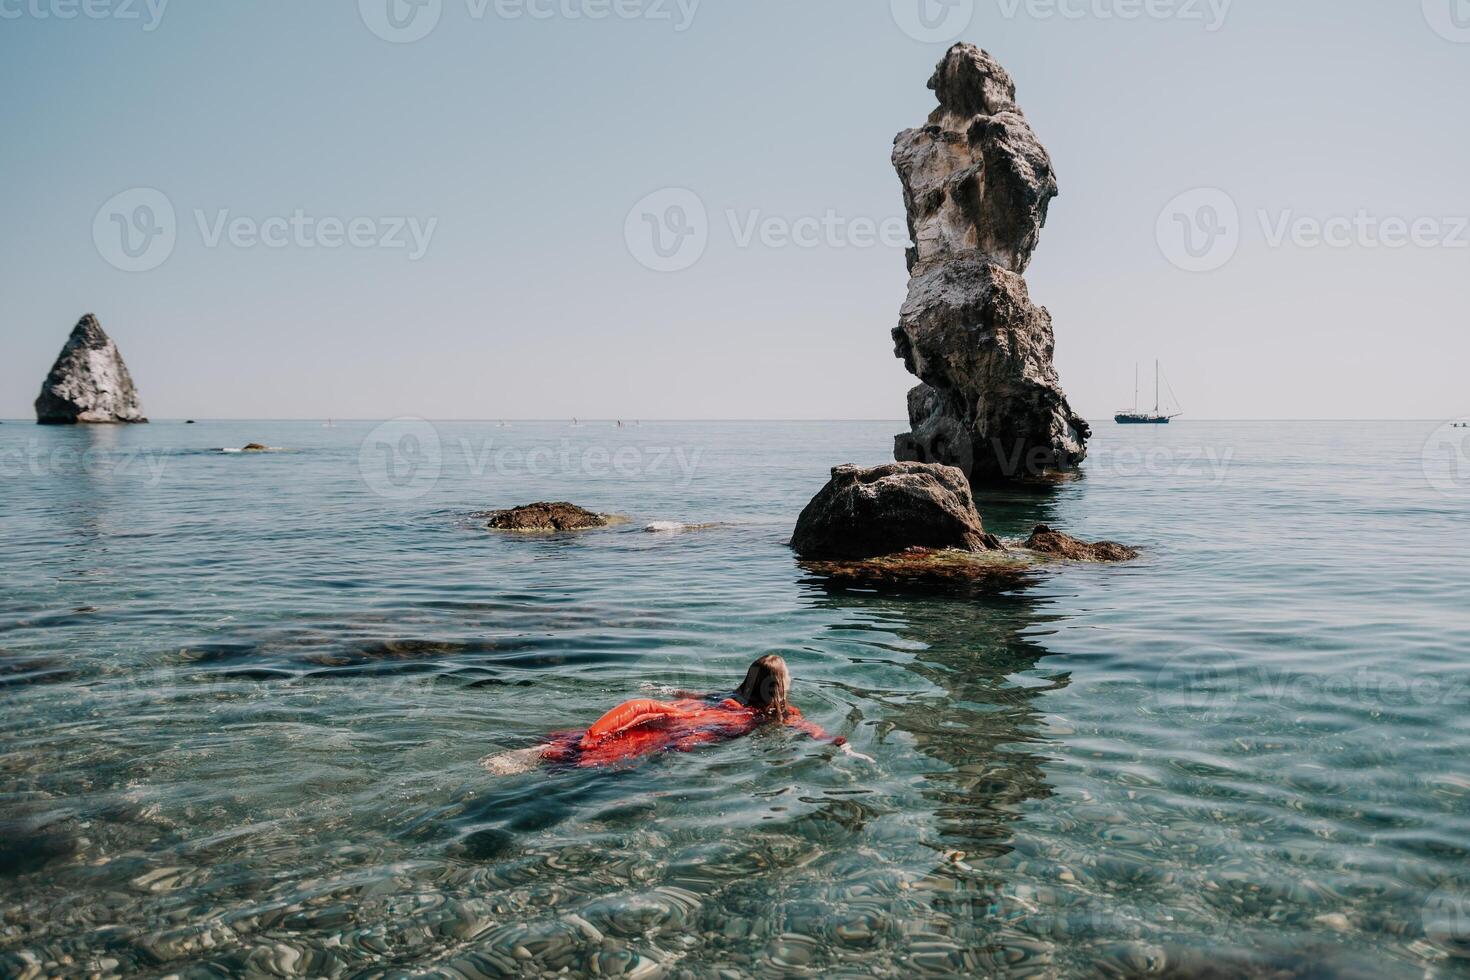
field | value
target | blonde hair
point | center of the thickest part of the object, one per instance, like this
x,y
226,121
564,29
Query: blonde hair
x,y
767,687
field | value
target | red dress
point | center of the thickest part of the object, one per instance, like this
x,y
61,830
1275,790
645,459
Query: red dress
x,y
642,727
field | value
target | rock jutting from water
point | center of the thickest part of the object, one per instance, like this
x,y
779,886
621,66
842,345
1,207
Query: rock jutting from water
x,y
915,524
976,186
89,381
558,516
1055,544
867,513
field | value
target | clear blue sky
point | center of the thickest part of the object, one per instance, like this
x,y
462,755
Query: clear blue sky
x,y
528,140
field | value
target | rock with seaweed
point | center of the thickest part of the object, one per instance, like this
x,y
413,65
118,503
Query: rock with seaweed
x,y
544,517
1054,544
905,525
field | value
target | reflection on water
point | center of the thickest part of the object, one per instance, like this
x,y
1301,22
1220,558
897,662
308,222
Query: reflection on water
x,y
244,702
986,729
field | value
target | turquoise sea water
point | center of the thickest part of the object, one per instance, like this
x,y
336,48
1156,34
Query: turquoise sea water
x,y
243,699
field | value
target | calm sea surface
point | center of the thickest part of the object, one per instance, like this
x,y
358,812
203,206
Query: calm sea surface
x,y
243,699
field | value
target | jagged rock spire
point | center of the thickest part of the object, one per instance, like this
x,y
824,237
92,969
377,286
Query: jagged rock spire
x,y
89,381
977,184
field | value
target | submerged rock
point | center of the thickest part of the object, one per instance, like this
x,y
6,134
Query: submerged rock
x,y
24,848
866,513
927,569
89,381
560,516
488,844
254,447
977,184
1055,544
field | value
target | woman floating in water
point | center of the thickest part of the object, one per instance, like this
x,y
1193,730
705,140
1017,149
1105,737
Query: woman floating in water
x,y
643,727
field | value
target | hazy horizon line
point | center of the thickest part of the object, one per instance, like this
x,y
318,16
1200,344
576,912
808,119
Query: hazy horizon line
x,y
613,421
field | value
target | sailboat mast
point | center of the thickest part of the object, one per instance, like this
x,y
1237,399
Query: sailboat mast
x,y
1156,387
1135,386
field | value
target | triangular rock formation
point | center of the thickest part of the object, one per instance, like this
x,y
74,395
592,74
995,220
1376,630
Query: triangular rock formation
x,y
89,381
976,184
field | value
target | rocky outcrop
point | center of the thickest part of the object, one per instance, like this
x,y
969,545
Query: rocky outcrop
x,y
866,513
1055,544
914,525
89,381
543,516
977,184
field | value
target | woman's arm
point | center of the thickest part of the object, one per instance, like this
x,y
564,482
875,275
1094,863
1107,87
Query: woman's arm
x,y
515,762
795,720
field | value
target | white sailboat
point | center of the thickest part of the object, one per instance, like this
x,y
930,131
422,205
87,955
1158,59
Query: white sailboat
x,y
1156,417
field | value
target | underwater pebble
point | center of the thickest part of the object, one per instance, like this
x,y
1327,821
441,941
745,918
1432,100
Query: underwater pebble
x,y
791,950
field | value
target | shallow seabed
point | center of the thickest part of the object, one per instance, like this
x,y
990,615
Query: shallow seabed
x,y
243,699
